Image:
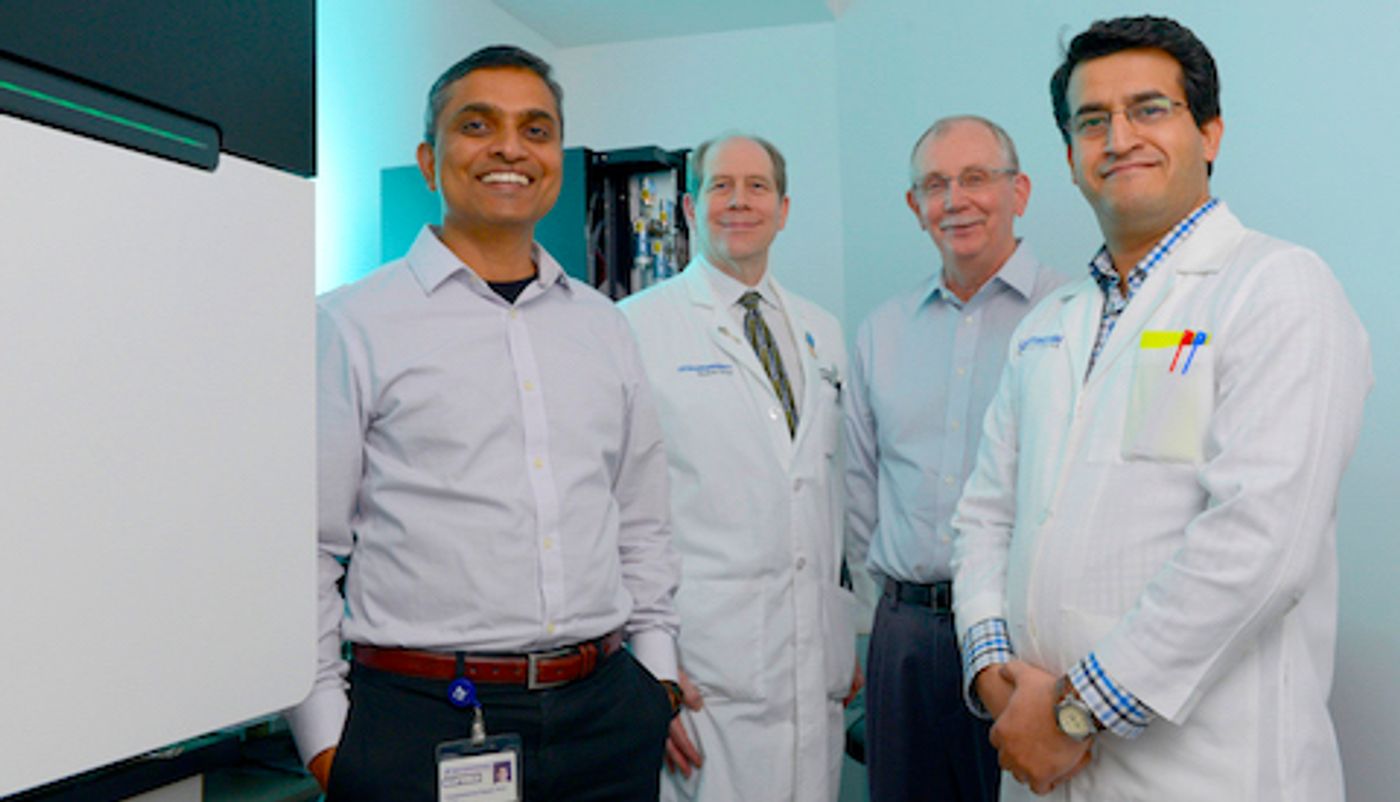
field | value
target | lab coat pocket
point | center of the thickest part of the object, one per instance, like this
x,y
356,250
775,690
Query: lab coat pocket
x,y
839,646
722,636
1170,400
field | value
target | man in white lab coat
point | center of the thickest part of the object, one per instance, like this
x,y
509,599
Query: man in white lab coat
x,y
747,377
1145,559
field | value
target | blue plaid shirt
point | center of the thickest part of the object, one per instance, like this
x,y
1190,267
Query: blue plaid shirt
x,y
987,643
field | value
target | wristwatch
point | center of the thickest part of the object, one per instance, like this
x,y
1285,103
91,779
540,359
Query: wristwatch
x,y
1072,714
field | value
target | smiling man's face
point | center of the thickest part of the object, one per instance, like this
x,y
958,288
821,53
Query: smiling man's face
x,y
974,230
1141,178
738,209
499,154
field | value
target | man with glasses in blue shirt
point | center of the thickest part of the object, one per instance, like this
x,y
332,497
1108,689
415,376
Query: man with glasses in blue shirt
x,y
924,368
1145,559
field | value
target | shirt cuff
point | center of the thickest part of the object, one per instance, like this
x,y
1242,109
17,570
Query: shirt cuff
x,y
655,649
1118,710
986,643
318,721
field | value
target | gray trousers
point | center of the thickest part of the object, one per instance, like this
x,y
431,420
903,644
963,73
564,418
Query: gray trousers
x,y
922,743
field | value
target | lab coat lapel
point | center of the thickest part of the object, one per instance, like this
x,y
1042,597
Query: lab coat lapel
x,y
719,325
1079,315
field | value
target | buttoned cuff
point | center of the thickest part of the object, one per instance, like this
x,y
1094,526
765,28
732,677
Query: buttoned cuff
x,y
318,721
1117,709
986,643
656,650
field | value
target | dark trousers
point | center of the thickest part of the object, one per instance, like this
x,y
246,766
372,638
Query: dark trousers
x,y
922,743
600,738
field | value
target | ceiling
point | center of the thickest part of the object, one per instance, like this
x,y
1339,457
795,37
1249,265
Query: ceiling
x,y
573,23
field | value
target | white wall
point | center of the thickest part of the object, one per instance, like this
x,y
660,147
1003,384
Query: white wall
x,y
375,61
776,82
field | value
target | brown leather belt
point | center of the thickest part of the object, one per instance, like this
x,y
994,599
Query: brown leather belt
x,y
536,671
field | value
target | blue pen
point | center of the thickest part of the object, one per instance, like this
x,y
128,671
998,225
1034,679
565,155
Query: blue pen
x,y
1199,341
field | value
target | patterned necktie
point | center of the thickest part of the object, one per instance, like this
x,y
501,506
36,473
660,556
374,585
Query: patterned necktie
x,y
761,338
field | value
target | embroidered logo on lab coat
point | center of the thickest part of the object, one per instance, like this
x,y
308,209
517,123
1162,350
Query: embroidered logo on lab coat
x,y
707,369
1040,341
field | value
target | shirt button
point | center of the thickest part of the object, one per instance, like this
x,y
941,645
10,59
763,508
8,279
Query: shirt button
x,y
954,425
962,371
548,543
539,463
947,480
773,413
549,627
529,385
968,319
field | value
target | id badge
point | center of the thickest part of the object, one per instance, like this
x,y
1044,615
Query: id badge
x,y
479,772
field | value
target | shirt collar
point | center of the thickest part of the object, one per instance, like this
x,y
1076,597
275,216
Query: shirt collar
x,y
1101,266
1018,273
433,263
727,290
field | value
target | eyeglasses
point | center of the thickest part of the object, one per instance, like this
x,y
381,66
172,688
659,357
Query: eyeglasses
x,y
1094,124
971,180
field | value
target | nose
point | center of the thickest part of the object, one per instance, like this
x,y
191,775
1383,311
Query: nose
x,y
1122,133
738,198
954,196
508,145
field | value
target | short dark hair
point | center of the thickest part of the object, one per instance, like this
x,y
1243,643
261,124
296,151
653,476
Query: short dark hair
x,y
491,57
1199,78
695,172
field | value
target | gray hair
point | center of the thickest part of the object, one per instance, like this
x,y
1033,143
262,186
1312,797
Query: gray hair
x,y
942,126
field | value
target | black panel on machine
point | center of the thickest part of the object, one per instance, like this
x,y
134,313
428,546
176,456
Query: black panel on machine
x,y
246,67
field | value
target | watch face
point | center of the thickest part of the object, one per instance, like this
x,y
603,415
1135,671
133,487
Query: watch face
x,y
1074,720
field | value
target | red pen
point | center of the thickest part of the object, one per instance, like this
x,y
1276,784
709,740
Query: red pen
x,y
1187,337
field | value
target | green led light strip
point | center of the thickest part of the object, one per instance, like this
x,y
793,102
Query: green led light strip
x,y
102,115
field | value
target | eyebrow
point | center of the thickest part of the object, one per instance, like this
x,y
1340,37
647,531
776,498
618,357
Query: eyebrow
x,y
1149,94
710,179
491,110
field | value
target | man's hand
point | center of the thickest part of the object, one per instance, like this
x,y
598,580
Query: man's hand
x,y
857,682
320,766
992,689
681,753
1029,743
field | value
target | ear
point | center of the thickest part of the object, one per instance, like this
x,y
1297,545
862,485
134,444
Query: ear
x,y
1069,159
782,213
427,165
1212,131
1021,187
688,203
913,201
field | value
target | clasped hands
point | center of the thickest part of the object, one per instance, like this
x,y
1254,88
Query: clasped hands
x,y
1030,745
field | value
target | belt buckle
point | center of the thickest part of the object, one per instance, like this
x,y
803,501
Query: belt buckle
x,y
532,667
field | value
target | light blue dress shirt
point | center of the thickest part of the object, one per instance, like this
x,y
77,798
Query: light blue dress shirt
x,y
924,369
493,471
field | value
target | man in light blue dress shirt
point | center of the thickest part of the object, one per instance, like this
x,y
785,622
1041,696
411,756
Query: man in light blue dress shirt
x,y
492,488
926,364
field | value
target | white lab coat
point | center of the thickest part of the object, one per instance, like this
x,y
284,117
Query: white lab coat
x,y
766,631
1179,522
